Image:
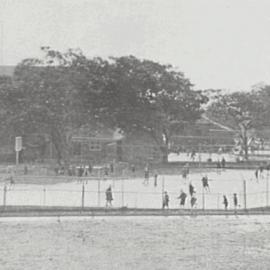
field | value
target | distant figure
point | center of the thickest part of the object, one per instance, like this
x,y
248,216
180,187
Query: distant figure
x,y
85,171
182,198
155,179
205,183
111,168
70,170
191,189
185,171
133,168
223,163
106,171
90,168
218,167
193,155
193,201
256,174
11,180
25,170
235,201
109,196
80,170
146,175
225,202
220,150
261,168
184,174
166,199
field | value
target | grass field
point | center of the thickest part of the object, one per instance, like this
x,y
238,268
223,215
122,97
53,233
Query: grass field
x,y
135,243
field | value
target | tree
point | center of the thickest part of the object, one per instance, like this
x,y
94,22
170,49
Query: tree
x,y
52,96
239,111
145,95
65,91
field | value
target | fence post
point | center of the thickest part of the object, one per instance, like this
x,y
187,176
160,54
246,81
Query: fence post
x,y
200,156
136,200
203,199
162,194
267,188
245,194
99,190
5,196
122,191
44,196
82,195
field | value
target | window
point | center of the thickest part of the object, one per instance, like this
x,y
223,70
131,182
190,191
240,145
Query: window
x,y
95,146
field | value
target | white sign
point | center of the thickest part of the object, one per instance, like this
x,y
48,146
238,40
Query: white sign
x,y
18,144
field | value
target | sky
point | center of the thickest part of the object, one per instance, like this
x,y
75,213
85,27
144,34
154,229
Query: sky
x,y
218,44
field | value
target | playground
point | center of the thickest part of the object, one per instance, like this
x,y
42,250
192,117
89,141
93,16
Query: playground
x,y
136,192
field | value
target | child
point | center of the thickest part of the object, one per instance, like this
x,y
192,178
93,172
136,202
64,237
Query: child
x,y
191,189
146,175
182,198
109,196
205,183
155,179
225,202
193,201
166,200
235,201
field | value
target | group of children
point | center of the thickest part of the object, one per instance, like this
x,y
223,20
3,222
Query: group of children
x,y
182,196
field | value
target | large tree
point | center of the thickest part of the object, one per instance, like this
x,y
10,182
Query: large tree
x,y
65,91
51,96
145,95
240,111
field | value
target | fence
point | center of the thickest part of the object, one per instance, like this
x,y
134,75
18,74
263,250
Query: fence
x,y
132,194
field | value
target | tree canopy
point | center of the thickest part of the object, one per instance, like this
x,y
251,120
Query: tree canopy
x,y
241,111
65,91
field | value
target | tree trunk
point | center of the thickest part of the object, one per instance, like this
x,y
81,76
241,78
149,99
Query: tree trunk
x,y
63,148
245,143
119,151
164,153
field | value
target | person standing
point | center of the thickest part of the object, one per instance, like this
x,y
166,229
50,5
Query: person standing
x,y
133,168
146,175
205,183
90,168
193,155
223,163
225,202
256,174
218,167
191,189
165,201
182,198
193,201
109,196
111,168
155,179
235,201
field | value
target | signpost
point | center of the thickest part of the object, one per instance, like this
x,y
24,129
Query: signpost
x,y
18,148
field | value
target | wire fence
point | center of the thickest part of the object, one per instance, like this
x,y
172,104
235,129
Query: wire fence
x,y
126,194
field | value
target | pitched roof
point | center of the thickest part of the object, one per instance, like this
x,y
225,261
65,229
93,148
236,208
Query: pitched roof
x,y
217,124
